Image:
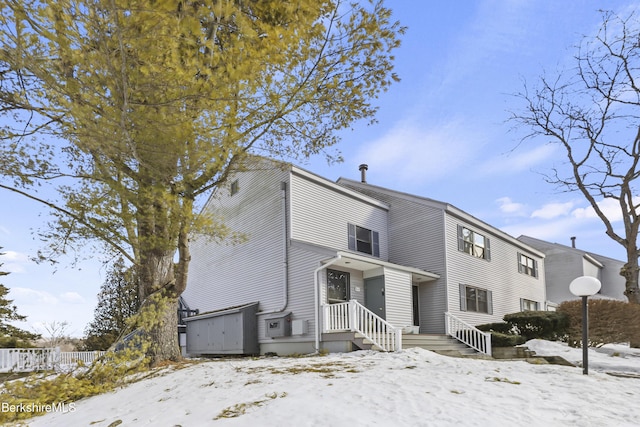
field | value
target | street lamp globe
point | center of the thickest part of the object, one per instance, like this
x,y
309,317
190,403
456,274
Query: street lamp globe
x,y
585,286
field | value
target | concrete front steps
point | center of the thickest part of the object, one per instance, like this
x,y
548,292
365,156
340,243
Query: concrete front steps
x,y
441,344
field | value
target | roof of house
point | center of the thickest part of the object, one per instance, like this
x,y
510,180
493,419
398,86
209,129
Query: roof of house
x,y
591,256
447,207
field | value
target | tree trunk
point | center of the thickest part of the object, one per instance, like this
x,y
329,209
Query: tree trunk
x,y
630,272
164,334
158,292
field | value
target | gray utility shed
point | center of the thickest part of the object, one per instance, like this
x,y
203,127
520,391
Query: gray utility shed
x,y
232,330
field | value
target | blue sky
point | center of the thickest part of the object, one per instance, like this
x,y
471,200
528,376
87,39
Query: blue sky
x,y
442,133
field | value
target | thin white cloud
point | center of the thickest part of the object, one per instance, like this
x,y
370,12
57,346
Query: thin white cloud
x,y
31,296
415,153
72,297
509,207
553,210
609,207
14,262
520,160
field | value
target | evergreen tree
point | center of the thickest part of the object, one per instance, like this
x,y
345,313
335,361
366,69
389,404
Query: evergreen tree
x,y
10,335
117,301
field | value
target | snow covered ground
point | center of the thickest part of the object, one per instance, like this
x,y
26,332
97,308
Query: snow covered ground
x,y
409,388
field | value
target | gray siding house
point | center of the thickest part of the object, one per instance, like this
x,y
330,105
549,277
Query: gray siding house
x,y
565,263
483,272
340,265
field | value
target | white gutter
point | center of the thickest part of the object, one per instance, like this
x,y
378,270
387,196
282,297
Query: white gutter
x,y
316,289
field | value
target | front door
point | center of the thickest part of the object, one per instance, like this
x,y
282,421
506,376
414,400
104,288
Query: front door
x,y
374,295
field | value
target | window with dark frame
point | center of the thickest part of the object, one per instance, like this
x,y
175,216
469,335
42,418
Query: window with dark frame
x,y
473,243
475,299
527,265
363,240
235,187
337,286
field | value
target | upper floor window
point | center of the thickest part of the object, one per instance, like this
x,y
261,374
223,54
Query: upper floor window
x,y
364,240
527,265
235,187
475,299
473,243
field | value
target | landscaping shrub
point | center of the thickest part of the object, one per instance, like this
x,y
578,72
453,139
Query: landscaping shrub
x,y
610,321
499,339
500,327
546,325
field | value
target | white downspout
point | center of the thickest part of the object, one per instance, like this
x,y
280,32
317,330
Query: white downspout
x,y
285,253
316,294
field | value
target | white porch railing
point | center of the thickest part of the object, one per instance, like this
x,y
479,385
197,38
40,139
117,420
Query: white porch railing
x,y
354,317
468,334
35,359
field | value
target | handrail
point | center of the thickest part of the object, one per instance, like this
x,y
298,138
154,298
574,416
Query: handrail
x,y
353,316
468,334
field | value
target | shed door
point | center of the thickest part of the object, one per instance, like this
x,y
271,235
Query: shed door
x,y
374,295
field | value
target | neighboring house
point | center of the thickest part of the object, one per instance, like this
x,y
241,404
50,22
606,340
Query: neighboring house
x,y
323,260
565,263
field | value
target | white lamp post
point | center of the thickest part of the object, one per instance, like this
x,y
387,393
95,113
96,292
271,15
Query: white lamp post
x,y
585,286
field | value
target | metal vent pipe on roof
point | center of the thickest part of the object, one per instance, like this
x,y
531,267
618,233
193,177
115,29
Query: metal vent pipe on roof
x,y
573,241
363,172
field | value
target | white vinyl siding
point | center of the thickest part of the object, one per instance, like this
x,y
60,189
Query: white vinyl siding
x,y
219,275
320,216
417,239
225,274
500,277
561,266
398,297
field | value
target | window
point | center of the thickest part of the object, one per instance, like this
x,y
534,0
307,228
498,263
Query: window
x,y
528,305
527,265
473,243
363,240
475,299
235,187
337,286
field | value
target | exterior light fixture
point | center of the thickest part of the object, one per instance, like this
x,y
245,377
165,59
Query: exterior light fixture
x,y
584,287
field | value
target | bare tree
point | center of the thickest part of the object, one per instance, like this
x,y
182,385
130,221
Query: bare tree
x,y
56,333
593,112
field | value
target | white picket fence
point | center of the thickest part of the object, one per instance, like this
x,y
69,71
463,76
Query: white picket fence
x,y
35,359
